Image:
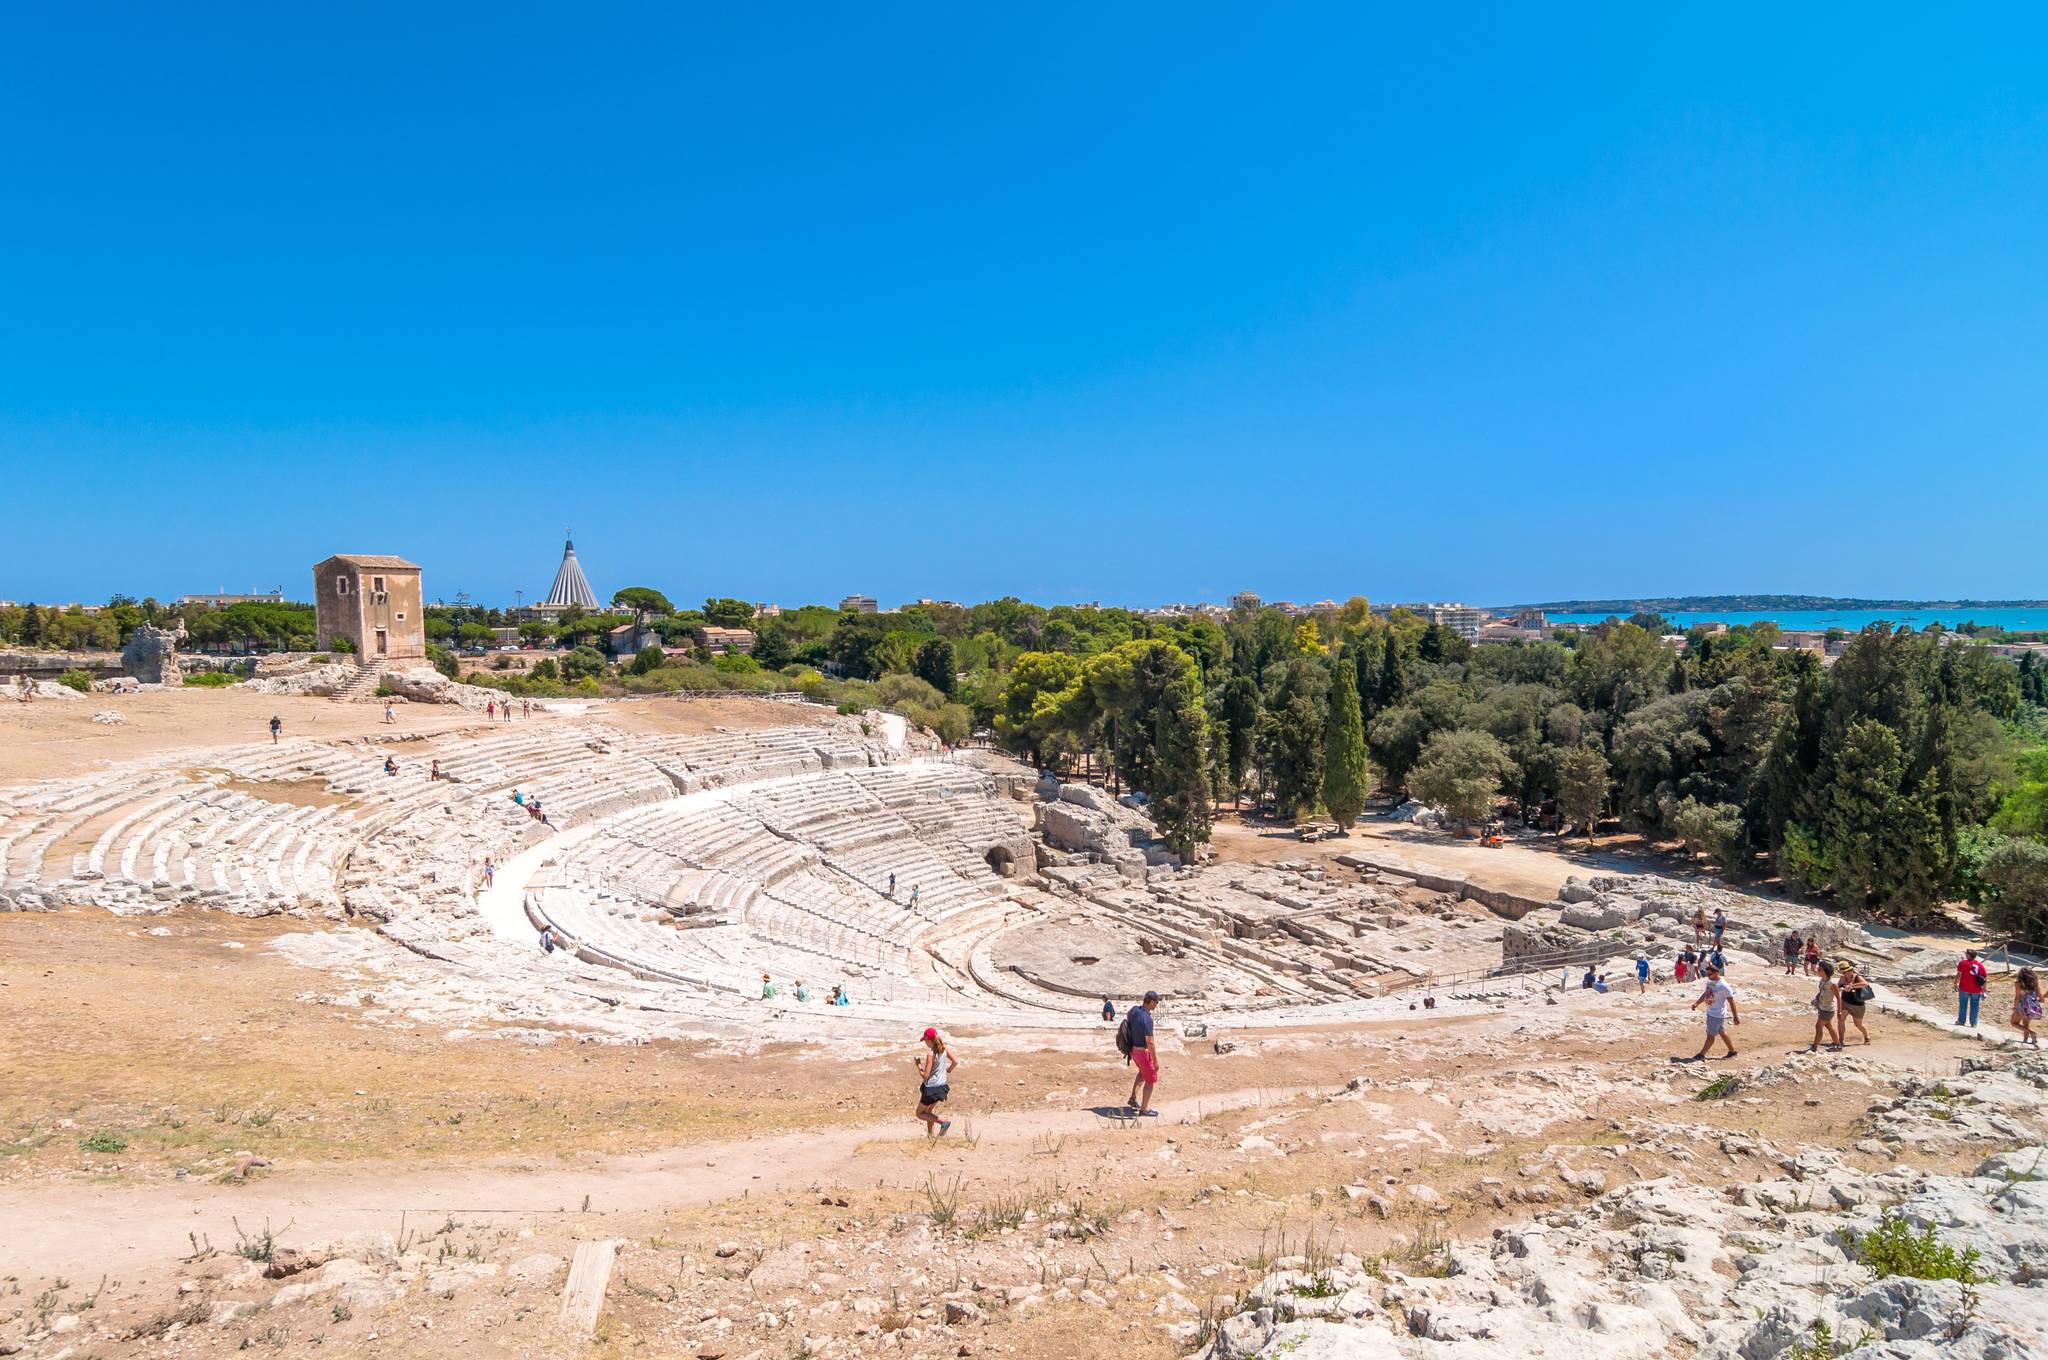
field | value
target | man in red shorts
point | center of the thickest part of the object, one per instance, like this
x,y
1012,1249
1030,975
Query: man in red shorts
x,y
1144,1054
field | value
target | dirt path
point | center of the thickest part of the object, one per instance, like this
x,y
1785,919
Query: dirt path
x,y
82,1230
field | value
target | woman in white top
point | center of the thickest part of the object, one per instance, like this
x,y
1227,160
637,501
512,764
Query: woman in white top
x,y
934,1069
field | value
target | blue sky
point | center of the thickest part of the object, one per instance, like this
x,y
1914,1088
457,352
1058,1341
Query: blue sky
x,y
1137,304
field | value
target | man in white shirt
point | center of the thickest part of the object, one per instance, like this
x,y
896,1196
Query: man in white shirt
x,y
1719,999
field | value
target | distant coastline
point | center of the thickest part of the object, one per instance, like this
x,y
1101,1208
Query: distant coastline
x,y
1695,604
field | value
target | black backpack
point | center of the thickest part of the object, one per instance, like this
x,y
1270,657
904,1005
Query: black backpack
x,y
1124,1044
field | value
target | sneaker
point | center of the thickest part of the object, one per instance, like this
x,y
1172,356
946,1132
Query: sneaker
x,y
944,1124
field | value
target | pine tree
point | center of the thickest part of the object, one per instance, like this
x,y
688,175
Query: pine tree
x,y
31,625
1344,772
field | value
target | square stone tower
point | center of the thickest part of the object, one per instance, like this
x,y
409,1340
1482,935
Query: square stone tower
x,y
373,601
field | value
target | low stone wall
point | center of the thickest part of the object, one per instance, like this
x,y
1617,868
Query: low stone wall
x,y
1507,905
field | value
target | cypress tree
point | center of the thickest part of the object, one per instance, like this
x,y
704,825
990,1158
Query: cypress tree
x,y
1180,774
1344,771
1391,687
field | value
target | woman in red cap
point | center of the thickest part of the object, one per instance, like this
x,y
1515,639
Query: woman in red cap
x,y
934,1067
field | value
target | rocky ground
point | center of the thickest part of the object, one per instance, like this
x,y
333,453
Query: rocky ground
x,y
1528,1175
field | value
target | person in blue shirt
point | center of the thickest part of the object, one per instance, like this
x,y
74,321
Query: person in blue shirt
x,y
1642,972
1144,1054
1108,1009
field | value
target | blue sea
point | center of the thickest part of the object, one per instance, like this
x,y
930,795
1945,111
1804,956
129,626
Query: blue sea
x,y
1848,620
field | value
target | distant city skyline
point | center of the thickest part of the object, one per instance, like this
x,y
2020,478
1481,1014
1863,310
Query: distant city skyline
x,y
1074,304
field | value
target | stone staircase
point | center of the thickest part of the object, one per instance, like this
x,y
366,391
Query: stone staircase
x,y
369,674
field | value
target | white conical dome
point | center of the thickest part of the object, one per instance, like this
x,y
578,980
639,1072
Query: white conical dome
x,y
571,585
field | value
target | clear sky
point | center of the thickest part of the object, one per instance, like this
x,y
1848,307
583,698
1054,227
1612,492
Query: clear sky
x,y
1137,304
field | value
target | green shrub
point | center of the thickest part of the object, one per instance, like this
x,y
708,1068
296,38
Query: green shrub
x,y
443,661
1893,1248
103,1142
211,680
341,644
76,679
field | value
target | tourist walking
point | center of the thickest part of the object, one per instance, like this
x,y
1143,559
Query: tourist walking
x,y
1792,948
1138,1040
547,939
1720,926
2026,1005
1699,926
1812,956
276,726
434,774
1719,999
916,892
892,885
1856,992
490,710
1108,1010
490,871
934,1073
526,708
1969,988
1714,959
1642,972
1824,998
390,713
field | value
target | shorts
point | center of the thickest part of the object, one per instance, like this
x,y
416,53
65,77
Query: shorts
x,y
1853,1009
1715,1023
931,1095
1825,1012
1148,1065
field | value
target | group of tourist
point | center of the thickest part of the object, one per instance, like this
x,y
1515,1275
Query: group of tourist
x,y
496,710
801,994
532,805
1972,981
916,892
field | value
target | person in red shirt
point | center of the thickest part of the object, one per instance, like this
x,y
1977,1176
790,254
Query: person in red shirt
x,y
1969,988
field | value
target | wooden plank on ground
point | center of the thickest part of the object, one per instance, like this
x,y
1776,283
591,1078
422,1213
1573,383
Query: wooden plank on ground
x,y
590,1274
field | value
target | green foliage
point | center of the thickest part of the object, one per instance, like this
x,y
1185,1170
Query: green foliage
x,y
103,1141
1581,786
345,645
642,600
1711,830
1893,1248
727,613
76,679
1803,859
936,665
1180,781
1344,771
584,663
651,658
210,680
546,669
2014,872
1461,772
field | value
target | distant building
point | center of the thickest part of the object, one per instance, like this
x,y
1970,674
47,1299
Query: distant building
x,y
570,590
629,639
1245,599
859,604
725,641
1530,618
1461,619
768,610
374,602
223,601
1802,640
